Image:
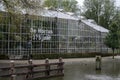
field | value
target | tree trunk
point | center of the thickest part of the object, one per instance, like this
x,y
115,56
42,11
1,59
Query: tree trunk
x,y
113,53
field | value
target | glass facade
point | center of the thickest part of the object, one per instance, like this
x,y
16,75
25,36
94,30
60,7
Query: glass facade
x,y
47,34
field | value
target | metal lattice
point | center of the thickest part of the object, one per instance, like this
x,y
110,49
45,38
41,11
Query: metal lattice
x,y
48,31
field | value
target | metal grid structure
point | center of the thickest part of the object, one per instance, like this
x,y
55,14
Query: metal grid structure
x,y
49,31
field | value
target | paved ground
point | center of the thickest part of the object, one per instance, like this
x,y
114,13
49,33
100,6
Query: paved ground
x,y
81,68
64,60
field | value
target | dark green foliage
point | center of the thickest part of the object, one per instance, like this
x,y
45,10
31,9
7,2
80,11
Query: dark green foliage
x,y
70,6
16,6
51,3
69,55
10,23
66,5
112,40
102,11
3,56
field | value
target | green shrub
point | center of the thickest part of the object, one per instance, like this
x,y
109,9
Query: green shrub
x,y
3,56
69,55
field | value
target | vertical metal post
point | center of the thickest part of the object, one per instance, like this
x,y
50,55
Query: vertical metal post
x,y
20,39
31,34
67,37
29,45
101,43
8,36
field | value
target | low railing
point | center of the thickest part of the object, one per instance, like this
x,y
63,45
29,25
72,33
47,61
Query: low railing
x,y
32,71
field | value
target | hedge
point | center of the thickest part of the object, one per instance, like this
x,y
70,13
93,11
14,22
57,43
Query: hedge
x,y
69,55
3,56
58,55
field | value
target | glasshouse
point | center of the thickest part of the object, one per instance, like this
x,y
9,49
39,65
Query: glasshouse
x,y
49,32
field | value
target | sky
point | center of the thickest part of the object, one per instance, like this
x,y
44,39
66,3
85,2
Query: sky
x,y
81,2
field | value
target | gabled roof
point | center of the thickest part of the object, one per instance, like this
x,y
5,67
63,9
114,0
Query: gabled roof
x,y
64,15
50,13
95,26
